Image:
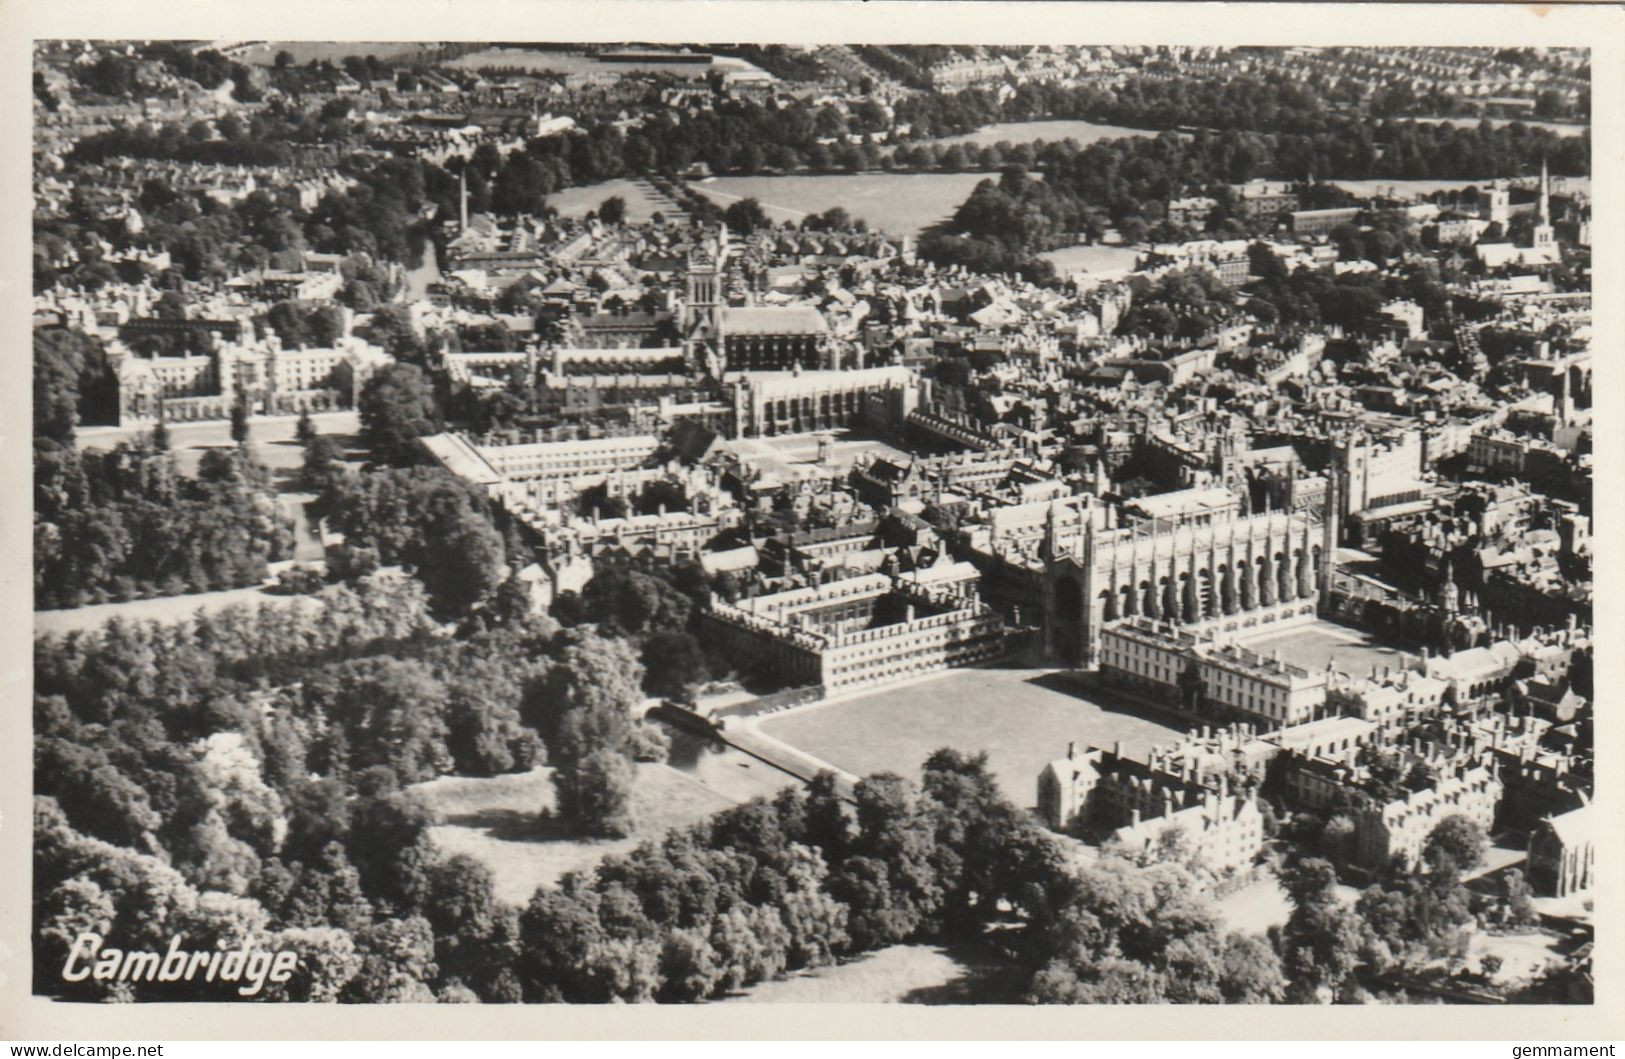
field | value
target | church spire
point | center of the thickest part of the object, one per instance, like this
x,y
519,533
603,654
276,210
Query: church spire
x,y
1545,193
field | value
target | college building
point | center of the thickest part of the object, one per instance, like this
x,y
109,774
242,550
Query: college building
x,y
1135,804
863,631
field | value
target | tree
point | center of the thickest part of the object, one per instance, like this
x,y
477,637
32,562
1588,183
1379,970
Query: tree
x,y
596,794
392,712
584,703
1517,900
612,210
397,407
1321,942
239,421
390,847
1456,844
71,378
673,662
1251,972
745,216
557,931
689,968
323,457
328,962
397,963
462,563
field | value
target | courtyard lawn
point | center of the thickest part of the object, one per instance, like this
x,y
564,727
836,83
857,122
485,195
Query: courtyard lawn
x,y
1353,651
494,820
787,451
896,203
1023,718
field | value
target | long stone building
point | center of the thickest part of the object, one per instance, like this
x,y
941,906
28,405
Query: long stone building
x,y
796,402
863,631
1225,573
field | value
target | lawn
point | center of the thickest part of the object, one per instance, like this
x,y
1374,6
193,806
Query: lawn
x,y
304,51
495,821
579,201
898,974
1418,188
1353,652
1094,258
896,203
787,451
534,61
1256,907
1017,132
164,609
1023,718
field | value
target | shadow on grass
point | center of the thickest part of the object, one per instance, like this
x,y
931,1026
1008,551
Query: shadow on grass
x,y
515,825
983,979
1106,701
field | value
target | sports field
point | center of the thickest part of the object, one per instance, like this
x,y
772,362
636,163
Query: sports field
x,y
1023,718
896,203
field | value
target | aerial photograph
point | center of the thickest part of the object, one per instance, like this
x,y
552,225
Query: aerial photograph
x,y
699,523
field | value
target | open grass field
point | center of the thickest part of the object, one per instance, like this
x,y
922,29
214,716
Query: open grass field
x,y
272,437
579,201
1070,259
1256,907
1023,718
1401,188
304,51
1014,132
1351,650
495,821
898,974
896,203
563,63
162,609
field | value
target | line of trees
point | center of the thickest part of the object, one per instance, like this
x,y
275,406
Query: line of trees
x,y
1125,183
125,524
246,774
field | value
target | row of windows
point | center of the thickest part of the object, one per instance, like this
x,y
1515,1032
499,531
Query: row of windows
x,y
889,667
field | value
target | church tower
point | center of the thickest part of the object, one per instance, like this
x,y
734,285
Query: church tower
x,y
1497,204
701,317
1329,534
1545,238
